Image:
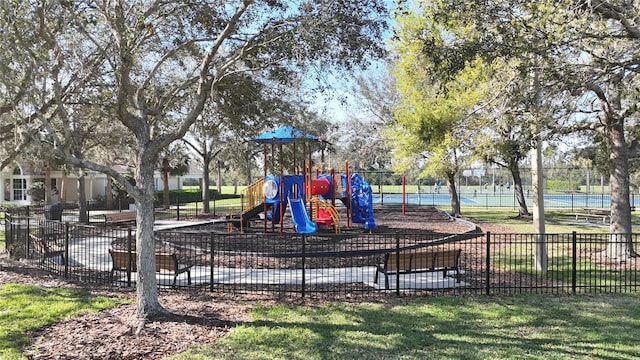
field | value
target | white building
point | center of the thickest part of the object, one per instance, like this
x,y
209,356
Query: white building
x,y
16,181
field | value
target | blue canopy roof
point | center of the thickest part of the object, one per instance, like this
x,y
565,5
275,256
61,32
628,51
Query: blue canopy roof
x,y
285,134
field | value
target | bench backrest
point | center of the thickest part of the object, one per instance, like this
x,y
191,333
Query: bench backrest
x,y
126,215
446,258
166,262
393,260
39,243
412,260
120,259
42,244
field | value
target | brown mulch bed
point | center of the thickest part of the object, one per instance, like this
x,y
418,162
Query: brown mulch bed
x,y
196,318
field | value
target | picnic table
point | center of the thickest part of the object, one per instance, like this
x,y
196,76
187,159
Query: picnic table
x,y
595,213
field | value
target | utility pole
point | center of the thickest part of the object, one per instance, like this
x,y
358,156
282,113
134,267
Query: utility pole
x,y
537,182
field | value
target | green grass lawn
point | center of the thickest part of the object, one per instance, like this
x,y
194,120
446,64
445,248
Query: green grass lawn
x,y
556,221
24,308
521,327
529,326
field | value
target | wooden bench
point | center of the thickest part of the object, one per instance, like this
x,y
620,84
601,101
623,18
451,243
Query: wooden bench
x,y
120,218
407,262
47,246
122,259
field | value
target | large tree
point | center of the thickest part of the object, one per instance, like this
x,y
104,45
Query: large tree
x,y
21,102
506,129
432,117
582,55
162,62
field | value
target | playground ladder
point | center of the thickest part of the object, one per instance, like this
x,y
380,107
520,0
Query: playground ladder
x,y
253,195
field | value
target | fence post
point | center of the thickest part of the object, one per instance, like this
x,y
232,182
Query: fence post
x,y
129,251
572,202
397,264
26,235
404,195
488,265
304,260
574,259
66,250
8,234
212,261
177,209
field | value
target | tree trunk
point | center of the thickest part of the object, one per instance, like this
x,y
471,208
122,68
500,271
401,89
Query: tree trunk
x,y
518,192
48,191
620,244
206,163
63,188
148,306
165,183
82,198
453,194
247,174
219,179
108,193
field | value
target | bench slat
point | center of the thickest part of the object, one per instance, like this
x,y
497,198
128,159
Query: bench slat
x,y
418,261
121,217
47,248
164,262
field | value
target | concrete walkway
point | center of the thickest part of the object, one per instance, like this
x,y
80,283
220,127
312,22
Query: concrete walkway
x,y
94,255
201,276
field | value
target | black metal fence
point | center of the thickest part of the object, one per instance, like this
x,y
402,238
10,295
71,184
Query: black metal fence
x,y
179,211
211,258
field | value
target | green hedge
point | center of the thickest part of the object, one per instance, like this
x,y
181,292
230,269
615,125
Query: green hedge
x,y
562,185
192,195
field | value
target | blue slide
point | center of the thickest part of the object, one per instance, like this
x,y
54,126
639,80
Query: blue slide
x,y
362,203
300,217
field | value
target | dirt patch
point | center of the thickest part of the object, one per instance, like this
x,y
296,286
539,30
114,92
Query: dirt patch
x,y
197,318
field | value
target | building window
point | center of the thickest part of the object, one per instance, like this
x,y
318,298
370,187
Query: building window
x,y
19,189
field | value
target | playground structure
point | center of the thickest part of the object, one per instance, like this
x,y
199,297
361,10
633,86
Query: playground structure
x,y
310,198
